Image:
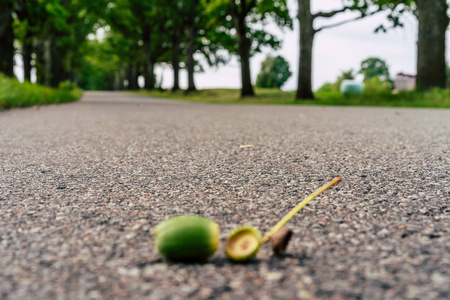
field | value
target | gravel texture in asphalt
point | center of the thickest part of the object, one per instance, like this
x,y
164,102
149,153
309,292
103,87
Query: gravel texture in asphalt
x,y
82,186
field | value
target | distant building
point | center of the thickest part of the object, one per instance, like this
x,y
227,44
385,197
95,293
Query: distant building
x,y
404,82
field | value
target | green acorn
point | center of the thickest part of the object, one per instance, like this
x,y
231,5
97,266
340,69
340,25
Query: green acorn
x,y
187,238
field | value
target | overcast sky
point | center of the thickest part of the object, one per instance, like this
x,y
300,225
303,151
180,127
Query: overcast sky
x,y
335,50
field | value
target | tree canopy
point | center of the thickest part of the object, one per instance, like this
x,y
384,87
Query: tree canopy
x,y
375,67
242,20
274,72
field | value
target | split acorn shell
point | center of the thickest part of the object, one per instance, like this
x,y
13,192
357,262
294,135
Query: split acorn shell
x,y
243,244
187,238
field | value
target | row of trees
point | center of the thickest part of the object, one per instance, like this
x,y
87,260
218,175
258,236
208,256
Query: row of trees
x,y
49,34
52,36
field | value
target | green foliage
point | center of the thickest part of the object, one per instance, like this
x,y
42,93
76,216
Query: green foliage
x,y
395,9
206,40
335,87
16,94
447,71
328,88
253,14
437,98
376,86
99,65
62,24
226,96
376,75
345,75
374,67
274,72
142,33
67,86
349,74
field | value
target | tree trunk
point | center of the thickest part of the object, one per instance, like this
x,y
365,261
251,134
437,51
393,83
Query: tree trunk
x,y
176,61
6,41
58,72
148,64
39,65
121,83
39,61
244,55
149,75
119,78
190,62
133,77
47,70
27,50
116,81
304,86
433,23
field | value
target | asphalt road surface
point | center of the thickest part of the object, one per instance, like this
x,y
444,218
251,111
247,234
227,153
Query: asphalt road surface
x,y
82,186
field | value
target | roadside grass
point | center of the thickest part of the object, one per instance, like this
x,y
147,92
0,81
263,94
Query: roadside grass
x,y
232,96
16,94
438,98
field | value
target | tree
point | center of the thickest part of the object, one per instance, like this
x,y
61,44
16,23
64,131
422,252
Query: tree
x,y
155,31
124,38
274,72
375,67
201,19
23,33
175,25
6,39
35,27
191,32
100,66
240,16
150,25
307,33
81,19
433,22
345,75
46,25
190,26
54,31
141,27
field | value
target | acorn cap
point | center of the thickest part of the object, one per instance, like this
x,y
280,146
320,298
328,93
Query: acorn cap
x,y
243,244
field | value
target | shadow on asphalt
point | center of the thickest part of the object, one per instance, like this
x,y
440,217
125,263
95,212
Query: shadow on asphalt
x,y
223,261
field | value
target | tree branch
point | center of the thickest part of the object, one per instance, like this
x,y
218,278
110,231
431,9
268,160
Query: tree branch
x,y
347,21
250,6
234,9
330,13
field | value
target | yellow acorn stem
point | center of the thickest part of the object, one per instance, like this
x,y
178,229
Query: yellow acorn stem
x,y
296,209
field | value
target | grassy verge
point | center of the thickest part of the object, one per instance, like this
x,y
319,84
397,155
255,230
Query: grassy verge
x,y
16,94
435,98
232,96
